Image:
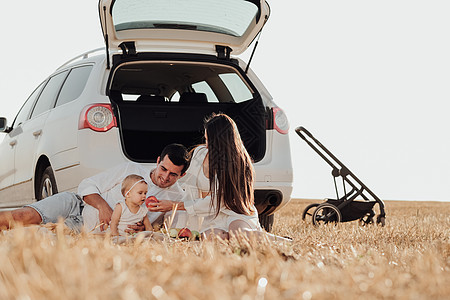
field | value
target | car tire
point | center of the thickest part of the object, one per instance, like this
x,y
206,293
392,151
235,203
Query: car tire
x,y
266,221
47,184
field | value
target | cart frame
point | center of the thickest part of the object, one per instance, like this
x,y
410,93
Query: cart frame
x,y
358,188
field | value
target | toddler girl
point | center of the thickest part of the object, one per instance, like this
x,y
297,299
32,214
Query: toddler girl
x,y
132,209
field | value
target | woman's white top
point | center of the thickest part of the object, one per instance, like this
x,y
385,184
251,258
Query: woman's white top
x,y
129,218
196,182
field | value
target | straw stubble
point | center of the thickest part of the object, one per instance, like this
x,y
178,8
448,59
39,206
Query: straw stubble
x,y
406,259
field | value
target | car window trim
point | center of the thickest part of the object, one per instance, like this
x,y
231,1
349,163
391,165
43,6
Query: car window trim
x,y
43,83
67,76
57,95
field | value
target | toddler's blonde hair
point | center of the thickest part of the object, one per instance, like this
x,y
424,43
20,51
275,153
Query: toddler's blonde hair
x,y
128,182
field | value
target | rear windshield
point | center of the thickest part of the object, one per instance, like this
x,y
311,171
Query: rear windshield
x,y
180,82
163,102
231,17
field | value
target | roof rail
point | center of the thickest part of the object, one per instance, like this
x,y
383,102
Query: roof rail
x,y
81,56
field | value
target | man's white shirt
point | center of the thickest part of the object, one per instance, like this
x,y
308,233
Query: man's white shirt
x,y
108,185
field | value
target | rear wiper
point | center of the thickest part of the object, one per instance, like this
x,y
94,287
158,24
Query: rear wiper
x,y
175,26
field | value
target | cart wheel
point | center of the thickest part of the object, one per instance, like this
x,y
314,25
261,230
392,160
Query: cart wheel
x,y
308,212
325,213
381,220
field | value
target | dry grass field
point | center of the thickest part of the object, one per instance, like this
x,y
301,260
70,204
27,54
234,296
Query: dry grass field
x,y
409,258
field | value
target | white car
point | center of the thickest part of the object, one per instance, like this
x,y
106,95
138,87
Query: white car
x,y
166,66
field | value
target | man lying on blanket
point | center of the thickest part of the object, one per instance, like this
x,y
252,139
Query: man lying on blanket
x,y
93,205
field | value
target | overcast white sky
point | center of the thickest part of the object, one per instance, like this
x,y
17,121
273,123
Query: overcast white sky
x,y
370,79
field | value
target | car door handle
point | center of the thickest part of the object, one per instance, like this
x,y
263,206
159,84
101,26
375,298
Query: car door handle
x,y
37,133
13,143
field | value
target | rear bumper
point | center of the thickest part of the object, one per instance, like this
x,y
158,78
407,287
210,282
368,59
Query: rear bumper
x,y
270,199
274,175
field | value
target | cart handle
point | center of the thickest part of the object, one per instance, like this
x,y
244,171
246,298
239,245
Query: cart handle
x,y
335,172
299,130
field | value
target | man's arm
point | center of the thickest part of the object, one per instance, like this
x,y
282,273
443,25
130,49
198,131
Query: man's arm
x,y
165,206
104,210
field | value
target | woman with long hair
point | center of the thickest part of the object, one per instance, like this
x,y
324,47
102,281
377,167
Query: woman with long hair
x,y
220,181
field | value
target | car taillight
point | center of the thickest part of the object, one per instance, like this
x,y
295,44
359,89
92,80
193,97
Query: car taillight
x,y
98,117
280,121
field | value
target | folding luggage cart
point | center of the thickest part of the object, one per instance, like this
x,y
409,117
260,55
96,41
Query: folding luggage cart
x,y
345,208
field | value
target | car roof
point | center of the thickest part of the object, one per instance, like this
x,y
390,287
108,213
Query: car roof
x,y
95,56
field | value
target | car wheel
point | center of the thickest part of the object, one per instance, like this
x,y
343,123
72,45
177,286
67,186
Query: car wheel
x,y
266,221
47,184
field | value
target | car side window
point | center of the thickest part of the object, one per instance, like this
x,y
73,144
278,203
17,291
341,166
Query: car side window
x,y
74,84
47,98
26,108
237,87
203,87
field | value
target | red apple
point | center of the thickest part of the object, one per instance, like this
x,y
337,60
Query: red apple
x,y
151,199
185,233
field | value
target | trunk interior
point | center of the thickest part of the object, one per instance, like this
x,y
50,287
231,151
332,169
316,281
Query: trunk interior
x,y
157,103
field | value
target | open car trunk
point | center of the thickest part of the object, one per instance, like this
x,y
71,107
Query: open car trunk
x,y
161,102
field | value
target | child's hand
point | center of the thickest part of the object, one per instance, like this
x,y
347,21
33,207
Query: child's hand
x,y
139,226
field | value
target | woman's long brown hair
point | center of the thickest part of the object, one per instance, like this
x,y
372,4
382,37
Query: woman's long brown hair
x,y
231,173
